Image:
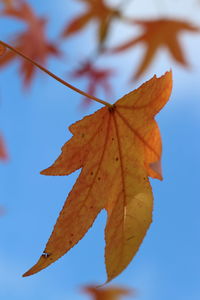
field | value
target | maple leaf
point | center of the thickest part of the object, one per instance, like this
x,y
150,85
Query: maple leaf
x,y
3,152
158,33
117,147
108,293
97,10
32,42
97,77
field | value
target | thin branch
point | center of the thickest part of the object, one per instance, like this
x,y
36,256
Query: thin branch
x,y
54,76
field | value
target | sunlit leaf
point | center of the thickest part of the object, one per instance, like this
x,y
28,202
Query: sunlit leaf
x,y
117,147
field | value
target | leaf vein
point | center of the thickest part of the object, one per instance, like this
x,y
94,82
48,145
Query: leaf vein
x,y
137,134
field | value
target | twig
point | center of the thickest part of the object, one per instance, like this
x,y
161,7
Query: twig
x,y
54,76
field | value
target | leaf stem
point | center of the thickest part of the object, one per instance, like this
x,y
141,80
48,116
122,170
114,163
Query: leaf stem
x,y
54,76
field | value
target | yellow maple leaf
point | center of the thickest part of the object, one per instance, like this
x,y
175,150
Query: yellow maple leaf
x,y
117,147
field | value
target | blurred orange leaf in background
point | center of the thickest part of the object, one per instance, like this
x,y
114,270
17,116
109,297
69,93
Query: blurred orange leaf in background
x,y
97,10
32,42
158,33
108,293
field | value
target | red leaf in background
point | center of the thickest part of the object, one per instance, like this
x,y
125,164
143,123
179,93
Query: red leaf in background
x,y
158,33
96,77
108,293
32,42
97,10
3,152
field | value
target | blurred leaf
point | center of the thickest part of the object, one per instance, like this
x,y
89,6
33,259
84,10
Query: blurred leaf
x,y
3,151
157,34
108,293
97,10
96,77
32,42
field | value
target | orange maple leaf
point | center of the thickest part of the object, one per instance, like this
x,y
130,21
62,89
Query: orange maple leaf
x,y
32,42
117,147
108,293
3,152
97,10
97,77
158,33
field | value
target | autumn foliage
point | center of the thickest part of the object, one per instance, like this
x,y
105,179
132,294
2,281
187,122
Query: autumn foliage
x,y
122,139
96,78
158,33
32,41
97,11
119,146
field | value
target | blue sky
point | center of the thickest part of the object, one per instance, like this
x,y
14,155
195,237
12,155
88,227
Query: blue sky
x,y
35,125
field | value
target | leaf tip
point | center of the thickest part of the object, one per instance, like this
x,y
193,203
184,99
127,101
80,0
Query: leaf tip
x,y
169,75
43,262
43,172
31,271
48,171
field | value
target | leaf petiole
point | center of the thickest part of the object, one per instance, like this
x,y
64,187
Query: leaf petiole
x,y
54,76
